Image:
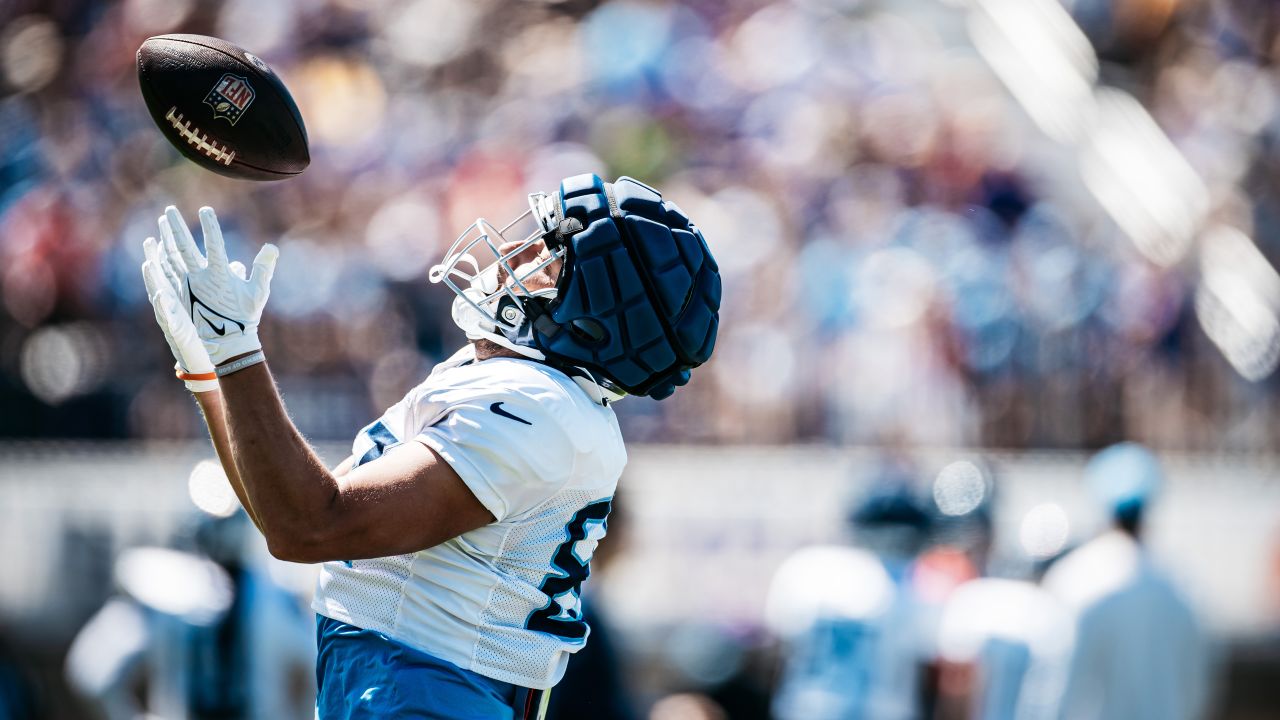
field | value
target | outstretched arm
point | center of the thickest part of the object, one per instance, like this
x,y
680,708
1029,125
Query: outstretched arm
x,y
164,282
404,501
214,410
215,417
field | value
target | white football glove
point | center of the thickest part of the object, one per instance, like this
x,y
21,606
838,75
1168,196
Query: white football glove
x,y
194,366
224,306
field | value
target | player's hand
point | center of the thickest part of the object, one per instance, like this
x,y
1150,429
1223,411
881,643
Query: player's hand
x,y
224,305
194,365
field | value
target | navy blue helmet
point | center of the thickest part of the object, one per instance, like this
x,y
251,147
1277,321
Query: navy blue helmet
x,y
636,304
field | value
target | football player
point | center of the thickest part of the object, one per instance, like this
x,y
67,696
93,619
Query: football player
x,y
456,536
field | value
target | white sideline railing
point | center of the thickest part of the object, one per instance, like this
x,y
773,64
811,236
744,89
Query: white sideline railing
x,y
707,524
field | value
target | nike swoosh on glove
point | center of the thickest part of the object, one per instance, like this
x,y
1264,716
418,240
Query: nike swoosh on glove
x,y
225,306
185,344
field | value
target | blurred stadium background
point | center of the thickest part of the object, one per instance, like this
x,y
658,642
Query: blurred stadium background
x,y
996,232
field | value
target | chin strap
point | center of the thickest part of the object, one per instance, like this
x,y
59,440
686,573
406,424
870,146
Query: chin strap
x,y
477,327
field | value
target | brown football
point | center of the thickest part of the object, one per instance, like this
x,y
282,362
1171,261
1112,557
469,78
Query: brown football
x,y
222,107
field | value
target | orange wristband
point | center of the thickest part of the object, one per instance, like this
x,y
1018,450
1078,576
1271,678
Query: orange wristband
x,y
195,376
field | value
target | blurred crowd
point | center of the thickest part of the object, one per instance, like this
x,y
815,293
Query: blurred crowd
x,y
907,258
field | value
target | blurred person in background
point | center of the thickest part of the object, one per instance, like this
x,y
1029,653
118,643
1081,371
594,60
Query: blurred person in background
x,y
1139,650
959,552
456,536
852,632
963,534
1002,644
202,632
1001,641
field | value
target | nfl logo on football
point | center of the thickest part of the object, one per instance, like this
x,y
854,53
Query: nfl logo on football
x,y
230,97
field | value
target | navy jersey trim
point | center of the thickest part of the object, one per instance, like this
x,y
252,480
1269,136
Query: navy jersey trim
x,y
566,580
381,437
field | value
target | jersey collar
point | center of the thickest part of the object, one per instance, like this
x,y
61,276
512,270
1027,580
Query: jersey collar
x,y
600,393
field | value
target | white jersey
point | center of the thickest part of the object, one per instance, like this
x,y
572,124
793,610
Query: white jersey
x,y
541,451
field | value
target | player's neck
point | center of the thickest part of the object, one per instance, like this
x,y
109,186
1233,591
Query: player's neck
x,y
486,349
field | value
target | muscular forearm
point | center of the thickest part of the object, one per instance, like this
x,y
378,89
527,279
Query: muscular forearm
x,y
215,416
287,484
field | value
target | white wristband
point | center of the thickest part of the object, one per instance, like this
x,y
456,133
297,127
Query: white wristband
x,y
242,363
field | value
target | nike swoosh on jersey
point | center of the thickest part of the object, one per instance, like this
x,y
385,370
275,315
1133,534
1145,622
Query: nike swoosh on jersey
x,y
205,306
496,408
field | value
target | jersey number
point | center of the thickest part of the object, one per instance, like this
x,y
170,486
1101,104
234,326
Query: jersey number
x,y
562,615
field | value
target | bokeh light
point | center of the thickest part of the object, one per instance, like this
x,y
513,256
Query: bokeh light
x,y
426,33
403,237
211,491
159,16
175,583
343,99
1044,530
258,25
62,361
1238,302
30,52
960,488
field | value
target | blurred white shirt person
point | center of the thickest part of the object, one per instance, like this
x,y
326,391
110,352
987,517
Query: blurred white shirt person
x,y
1139,649
207,631
850,625
1005,641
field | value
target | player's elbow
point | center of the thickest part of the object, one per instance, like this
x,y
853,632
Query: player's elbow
x,y
305,537
296,551
282,549
299,545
